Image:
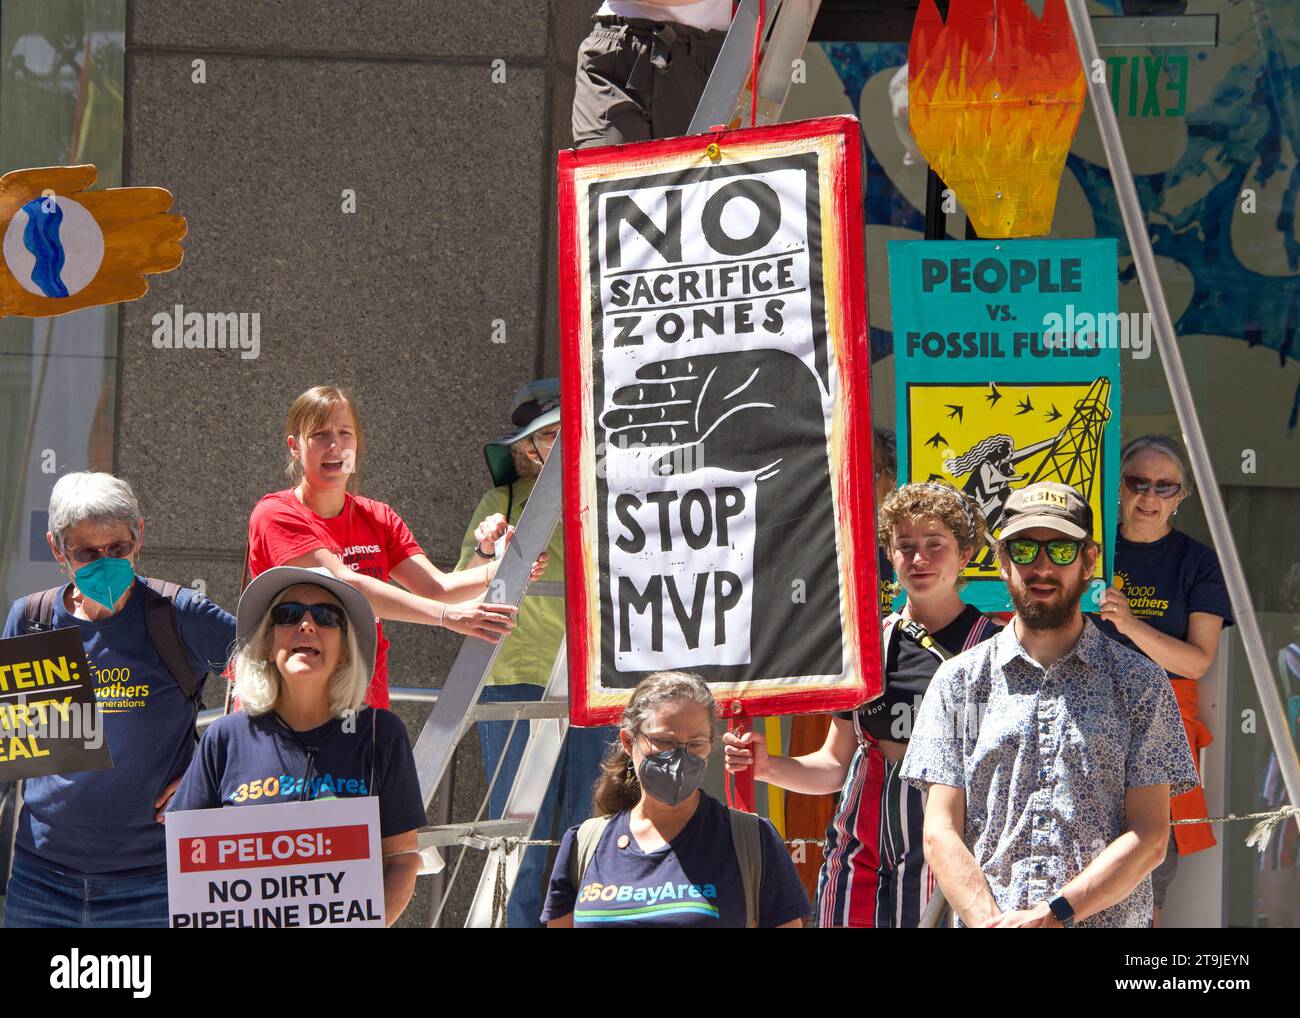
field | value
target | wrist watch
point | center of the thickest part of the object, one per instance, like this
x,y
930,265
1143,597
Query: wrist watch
x,y
1063,911
482,554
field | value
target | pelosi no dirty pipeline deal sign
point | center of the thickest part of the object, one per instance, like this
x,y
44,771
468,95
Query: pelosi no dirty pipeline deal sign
x,y
282,866
1007,369
717,476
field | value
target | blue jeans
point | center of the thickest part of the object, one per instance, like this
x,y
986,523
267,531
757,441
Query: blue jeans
x,y
567,802
39,898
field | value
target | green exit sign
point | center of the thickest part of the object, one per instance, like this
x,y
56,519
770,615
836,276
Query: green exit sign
x,y
1148,86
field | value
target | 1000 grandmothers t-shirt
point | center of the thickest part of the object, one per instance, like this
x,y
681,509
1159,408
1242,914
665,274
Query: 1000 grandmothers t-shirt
x,y
694,880
1165,581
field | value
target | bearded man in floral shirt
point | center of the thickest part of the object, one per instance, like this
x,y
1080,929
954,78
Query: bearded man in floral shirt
x,y
1050,751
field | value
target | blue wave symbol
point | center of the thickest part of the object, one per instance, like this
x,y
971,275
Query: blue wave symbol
x,y
41,238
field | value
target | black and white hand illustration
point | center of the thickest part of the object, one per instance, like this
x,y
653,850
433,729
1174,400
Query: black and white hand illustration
x,y
753,411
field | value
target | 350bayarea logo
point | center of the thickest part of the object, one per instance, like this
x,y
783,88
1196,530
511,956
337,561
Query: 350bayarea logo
x,y
642,902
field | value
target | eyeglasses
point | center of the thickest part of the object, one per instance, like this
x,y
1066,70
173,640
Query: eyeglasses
x,y
1023,551
118,549
1141,485
663,744
290,613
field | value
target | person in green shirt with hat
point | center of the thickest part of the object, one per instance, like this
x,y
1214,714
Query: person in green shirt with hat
x,y
524,661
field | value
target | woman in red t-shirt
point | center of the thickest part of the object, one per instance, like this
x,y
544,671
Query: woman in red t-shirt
x,y
318,522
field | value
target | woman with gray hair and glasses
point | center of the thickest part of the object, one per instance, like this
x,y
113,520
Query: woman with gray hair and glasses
x,y
90,850
660,852
1170,603
306,655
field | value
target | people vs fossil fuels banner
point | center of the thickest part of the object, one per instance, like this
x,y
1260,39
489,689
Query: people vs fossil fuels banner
x,y
1007,370
716,419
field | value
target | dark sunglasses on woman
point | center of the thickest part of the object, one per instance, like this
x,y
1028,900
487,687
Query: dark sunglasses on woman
x,y
290,613
1141,485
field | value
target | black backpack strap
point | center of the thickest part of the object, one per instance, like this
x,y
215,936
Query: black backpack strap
x,y
164,627
917,633
747,836
38,613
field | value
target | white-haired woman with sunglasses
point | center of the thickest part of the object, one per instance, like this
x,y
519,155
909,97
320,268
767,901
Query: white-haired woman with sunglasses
x,y
1170,603
306,655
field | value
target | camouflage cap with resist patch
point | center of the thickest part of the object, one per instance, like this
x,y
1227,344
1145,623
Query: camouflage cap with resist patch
x,y
1047,504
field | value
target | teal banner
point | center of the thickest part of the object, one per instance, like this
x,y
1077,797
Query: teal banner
x,y
1006,360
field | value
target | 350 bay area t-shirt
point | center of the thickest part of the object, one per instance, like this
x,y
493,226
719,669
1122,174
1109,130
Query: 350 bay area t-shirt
x,y
1165,581
251,761
367,535
102,822
694,880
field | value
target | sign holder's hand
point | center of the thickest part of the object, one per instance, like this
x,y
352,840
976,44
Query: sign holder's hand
x,y
743,751
164,799
488,622
489,531
741,781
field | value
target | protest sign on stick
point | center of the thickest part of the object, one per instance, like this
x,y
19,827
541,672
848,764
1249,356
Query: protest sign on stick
x,y
717,485
49,721
290,865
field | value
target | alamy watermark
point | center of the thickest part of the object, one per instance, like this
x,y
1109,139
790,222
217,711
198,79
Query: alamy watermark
x,y
623,460
179,329
61,720
77,971
1083,332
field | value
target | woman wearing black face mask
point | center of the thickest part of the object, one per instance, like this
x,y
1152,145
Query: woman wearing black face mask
x,y
660,852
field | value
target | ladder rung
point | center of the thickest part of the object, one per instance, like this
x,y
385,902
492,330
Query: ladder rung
x,y
455,834
526,710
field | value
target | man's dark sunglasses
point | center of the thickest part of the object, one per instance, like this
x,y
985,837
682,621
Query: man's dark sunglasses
x,y
290,613
1023,551
1141,485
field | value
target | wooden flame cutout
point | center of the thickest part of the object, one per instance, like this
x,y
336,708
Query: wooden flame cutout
x,y
995,97
66,248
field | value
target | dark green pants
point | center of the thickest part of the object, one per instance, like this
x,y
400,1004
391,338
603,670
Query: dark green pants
x,y
639,80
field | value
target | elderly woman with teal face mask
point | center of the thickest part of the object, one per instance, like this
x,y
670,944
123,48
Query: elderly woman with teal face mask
x,y
90,849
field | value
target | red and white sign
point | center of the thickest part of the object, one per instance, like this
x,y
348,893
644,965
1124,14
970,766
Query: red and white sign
x,y
717,426
295,864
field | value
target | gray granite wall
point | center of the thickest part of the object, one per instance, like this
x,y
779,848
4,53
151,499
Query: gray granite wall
x,y
293,103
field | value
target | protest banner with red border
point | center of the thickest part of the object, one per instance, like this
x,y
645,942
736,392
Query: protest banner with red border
x,y
716,420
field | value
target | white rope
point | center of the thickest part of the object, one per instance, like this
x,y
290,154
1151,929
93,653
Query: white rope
x,y
1258,837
